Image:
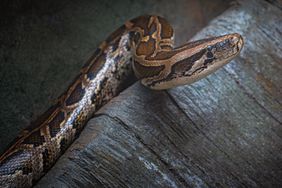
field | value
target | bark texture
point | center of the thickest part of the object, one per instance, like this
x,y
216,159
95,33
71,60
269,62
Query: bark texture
x,y
223,131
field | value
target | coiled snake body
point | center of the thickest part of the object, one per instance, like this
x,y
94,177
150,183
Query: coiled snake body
x,y
144,45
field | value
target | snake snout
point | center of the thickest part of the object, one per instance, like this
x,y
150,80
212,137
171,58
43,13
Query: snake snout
x,y
237,40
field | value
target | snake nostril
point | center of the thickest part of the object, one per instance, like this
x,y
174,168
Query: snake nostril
x,y
235,40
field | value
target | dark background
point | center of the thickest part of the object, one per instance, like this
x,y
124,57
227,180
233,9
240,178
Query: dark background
x,y
43,44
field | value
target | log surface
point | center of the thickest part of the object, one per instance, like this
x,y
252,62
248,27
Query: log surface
x,y
223,131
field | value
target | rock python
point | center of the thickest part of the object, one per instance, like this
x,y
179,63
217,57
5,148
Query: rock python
x,y
143,46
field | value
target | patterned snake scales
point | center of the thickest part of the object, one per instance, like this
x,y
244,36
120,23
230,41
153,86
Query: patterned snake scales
x,y
144,45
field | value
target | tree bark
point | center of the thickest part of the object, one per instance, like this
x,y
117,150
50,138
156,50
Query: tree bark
x,y
223,131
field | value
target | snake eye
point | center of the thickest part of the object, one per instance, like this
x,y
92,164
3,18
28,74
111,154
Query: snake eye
x,y
209,54
209,48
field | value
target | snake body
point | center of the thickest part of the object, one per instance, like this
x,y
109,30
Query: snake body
x,y
143,46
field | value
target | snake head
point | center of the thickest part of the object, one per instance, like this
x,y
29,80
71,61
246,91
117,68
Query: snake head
x,y
222,49
196,60
216,52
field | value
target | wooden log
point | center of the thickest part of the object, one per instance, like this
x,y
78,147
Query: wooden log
x,y
223,131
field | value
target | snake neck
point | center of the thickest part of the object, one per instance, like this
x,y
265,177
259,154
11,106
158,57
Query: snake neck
x,y
161,66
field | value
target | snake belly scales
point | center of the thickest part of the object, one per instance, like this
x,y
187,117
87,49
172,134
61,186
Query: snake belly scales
x,y
143,46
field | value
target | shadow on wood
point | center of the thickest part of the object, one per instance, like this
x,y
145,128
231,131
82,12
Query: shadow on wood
x,y
223,131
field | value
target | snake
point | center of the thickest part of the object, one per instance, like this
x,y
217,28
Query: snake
x,y
141,49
